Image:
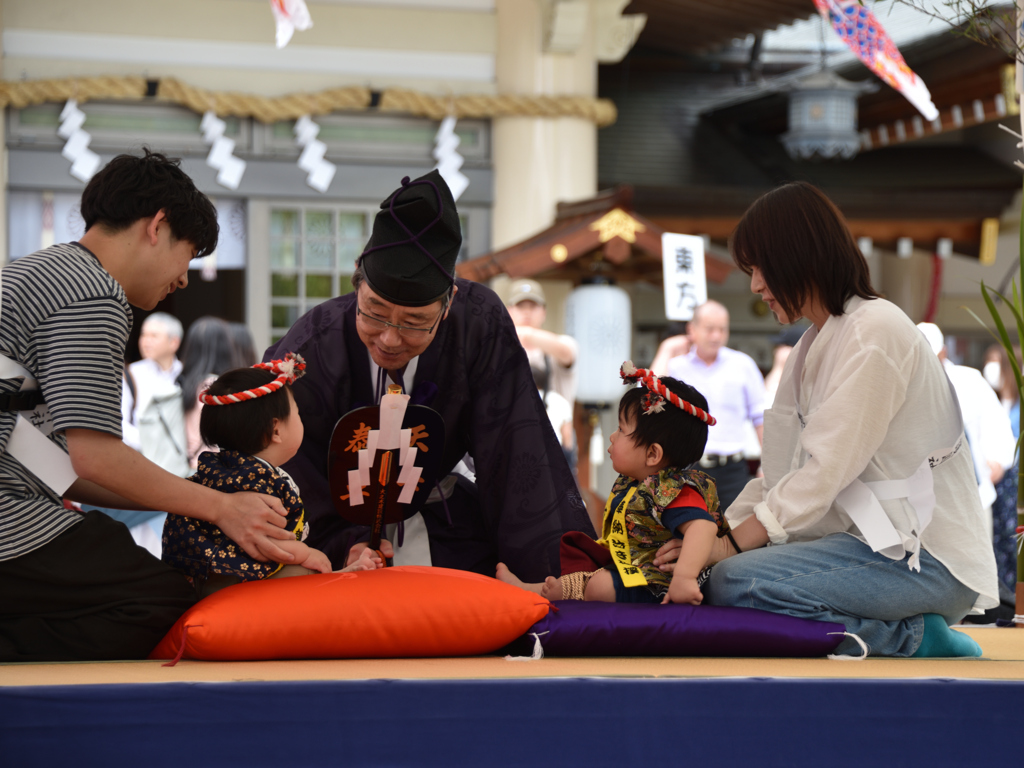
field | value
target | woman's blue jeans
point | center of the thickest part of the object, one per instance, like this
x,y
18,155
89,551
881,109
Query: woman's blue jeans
x,y
839,579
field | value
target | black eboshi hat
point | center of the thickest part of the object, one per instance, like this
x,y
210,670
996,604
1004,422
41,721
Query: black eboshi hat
x,y
410,257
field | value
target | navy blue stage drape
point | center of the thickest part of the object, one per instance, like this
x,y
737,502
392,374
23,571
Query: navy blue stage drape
x,y
482,723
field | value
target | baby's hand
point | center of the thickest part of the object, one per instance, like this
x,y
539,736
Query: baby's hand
x,y
684,590
368,561
317,561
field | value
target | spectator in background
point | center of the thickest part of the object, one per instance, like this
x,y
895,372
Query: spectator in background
x,y
244,345
999,374
675,343
986,423
152,421
559,414
784,342
553,353
734,388
208,352
155,402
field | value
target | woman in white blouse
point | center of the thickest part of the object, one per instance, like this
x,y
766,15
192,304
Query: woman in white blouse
x,y
868,512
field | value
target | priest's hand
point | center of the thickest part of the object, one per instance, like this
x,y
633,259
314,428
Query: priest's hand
x,y
357,550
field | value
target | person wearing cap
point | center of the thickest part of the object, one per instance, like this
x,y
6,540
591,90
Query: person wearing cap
x,y
553,353
735,390
452,346
986,422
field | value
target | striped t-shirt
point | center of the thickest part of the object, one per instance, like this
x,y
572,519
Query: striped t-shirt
x,y
66,320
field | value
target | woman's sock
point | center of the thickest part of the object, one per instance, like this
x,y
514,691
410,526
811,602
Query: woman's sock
x,y
939,640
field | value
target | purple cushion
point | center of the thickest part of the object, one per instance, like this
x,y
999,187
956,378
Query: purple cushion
x,y
579,628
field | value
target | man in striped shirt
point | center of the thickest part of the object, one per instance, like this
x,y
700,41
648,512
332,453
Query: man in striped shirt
x,y
75,586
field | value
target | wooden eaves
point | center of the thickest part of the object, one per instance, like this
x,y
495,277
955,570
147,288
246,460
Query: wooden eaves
x,y
599,234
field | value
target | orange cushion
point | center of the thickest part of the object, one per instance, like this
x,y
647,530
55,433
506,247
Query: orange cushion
x,y
391,612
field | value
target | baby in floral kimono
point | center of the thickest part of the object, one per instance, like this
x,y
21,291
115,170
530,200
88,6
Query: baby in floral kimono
x,y
250,414
663,428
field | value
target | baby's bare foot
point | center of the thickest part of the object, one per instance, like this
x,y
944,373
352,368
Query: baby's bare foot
x,y
502,573
552,588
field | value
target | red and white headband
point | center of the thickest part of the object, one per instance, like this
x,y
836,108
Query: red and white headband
x,y
658,393
289,369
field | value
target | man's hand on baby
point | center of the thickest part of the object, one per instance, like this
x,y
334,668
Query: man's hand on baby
x,y
684,591
254,521
368,560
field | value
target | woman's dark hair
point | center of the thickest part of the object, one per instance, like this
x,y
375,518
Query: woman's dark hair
x,y
130,188
247,426
682,437
208,350
245,348
799,240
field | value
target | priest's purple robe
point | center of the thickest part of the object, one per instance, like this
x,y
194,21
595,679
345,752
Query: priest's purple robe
x,y
476,375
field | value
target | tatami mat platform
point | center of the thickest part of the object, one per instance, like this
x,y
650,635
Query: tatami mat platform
x,y
488,711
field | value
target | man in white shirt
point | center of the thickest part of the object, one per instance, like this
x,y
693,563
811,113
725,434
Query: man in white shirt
x,y
986,422
157,427
158,344
734,388
152,417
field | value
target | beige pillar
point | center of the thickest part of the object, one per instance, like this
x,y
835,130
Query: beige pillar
x,y
539,162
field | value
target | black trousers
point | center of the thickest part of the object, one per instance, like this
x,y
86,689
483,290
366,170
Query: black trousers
x,y
729,480
89,594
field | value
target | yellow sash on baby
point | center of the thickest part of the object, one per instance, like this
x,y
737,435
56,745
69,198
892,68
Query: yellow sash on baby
x,y
614,538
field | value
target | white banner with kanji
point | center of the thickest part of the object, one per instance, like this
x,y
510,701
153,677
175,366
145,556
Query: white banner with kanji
x,y
686,286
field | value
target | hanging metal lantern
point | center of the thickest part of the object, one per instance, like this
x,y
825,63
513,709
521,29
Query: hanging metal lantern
x,y
600,318
823,117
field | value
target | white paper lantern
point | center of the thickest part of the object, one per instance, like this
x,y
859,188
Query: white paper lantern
x,y
600,318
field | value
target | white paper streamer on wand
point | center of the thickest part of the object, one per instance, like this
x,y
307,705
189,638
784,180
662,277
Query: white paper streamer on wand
x,y
409,478
355,488
392,413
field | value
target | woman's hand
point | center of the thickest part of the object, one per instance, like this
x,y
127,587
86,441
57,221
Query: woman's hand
x,y
666,557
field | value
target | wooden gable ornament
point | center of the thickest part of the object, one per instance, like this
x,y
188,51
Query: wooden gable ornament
x,y
603,228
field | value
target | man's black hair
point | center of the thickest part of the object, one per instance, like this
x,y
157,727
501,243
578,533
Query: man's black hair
x,y
130,188
248,426
682,437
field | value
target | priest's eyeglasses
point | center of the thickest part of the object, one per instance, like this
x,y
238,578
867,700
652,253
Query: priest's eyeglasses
x,y
409,333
